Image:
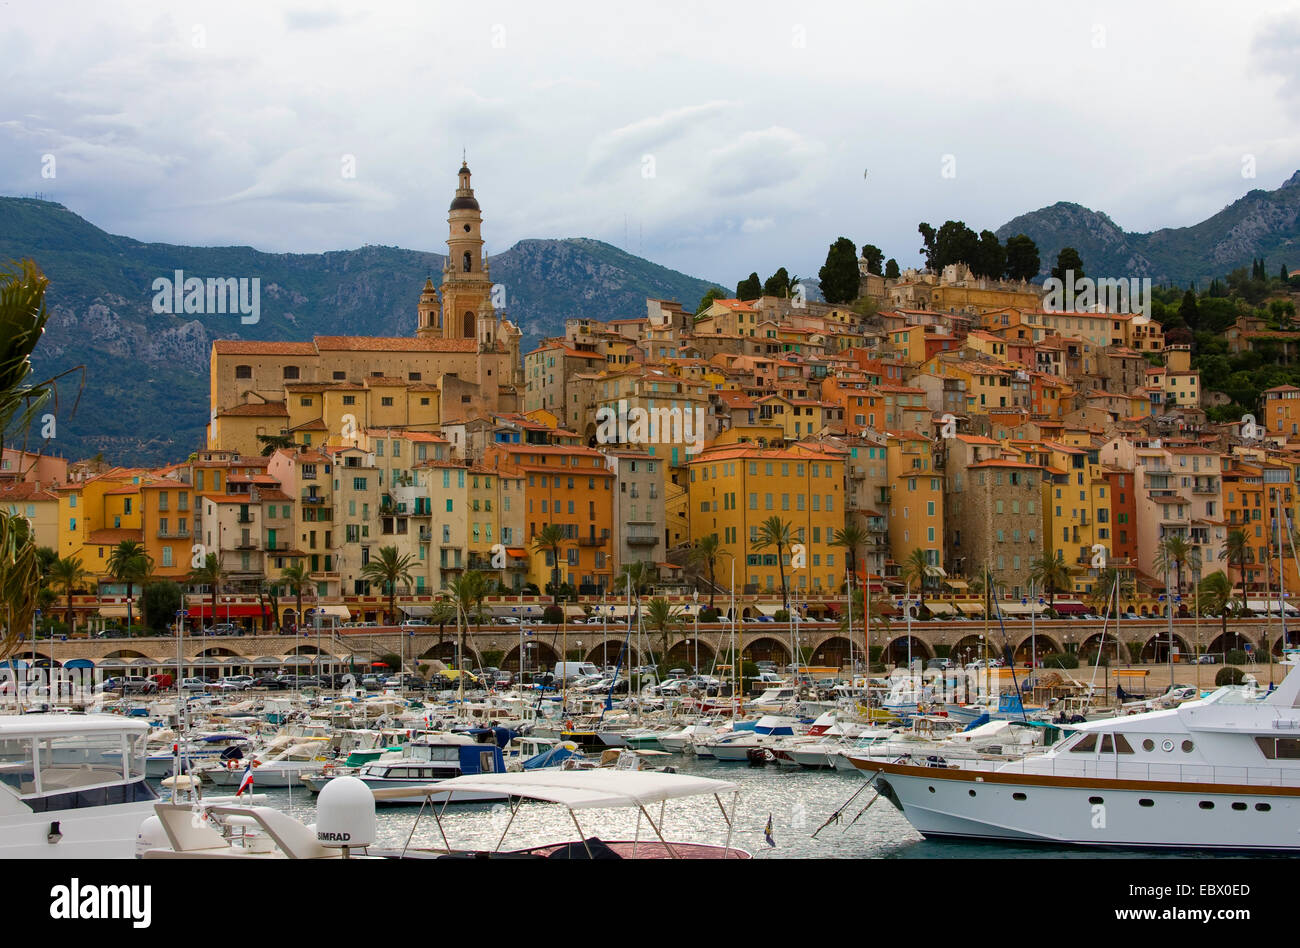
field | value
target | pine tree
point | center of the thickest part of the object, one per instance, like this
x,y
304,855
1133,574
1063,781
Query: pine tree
x,y
891,269
874,256
1068,261
839,275
750,288
1022,258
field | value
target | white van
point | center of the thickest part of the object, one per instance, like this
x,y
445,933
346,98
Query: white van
x,y
571,670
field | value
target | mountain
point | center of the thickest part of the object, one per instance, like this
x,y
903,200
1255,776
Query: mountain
x,y
143,396
1260,224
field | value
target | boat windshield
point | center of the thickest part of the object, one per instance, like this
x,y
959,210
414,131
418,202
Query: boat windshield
x,y
1233,694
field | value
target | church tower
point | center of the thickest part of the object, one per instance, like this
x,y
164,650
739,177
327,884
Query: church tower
x,y
466,283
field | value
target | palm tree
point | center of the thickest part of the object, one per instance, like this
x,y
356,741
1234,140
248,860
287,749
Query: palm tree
x,y
210,574
67,574
877,617
705,553
296,577
440,615
1051,575
851,537
1214,594
549,540
466,598
273,443
129,563
1237,549
775,533
919,568
1172,555
22,321
389,569
636,574
661,617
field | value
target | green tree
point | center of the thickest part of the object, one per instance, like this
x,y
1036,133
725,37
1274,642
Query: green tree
x,y
466,594
990,256
774,533
637,574
550,540
388,569
928,237
750,288
851,538
874,257
68,574
1022,258
917,568
210,574
705,554
660,617
1174,554
1188,311
273,443
160,602
295,577
23,316
1051,575
711,294
891,269
778,284
1214,596
1067,261
1238,551
839,275
954,242
129,563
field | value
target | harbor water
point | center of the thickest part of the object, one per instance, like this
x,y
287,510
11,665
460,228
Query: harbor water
x,y
796,801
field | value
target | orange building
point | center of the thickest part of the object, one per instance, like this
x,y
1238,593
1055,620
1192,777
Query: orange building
x,y
572,488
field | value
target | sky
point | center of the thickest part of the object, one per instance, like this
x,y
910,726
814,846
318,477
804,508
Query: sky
x,y
716,139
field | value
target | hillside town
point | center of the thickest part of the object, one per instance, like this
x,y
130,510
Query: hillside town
x,y
942,441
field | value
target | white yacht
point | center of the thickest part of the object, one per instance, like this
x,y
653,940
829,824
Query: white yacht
x,y
72,786
1221,772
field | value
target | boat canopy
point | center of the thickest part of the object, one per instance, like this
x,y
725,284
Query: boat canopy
x,y
575,789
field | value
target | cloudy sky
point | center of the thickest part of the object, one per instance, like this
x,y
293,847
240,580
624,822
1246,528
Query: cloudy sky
x,y
714,138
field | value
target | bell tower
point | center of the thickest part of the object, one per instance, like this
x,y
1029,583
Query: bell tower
x,y
466,284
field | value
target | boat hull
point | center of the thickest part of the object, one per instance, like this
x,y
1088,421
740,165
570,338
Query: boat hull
x,y
97,832
968,804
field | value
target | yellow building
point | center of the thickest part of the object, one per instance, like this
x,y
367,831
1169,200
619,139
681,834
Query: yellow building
x,y
915,497
733,489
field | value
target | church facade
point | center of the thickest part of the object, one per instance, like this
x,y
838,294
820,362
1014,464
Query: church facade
x,y
462,361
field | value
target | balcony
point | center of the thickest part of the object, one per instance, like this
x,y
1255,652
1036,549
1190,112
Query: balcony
x,y
312,499
173,533
425,534
642,541
244,518
246,545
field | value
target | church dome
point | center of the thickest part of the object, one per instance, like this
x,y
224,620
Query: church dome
x,y
464,203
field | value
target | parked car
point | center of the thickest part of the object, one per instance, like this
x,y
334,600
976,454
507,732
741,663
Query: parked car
x,y
193,684
940,663
225,684
1208,660
270,683
162,681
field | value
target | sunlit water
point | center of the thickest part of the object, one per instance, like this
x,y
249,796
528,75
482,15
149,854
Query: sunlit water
x,y
797,801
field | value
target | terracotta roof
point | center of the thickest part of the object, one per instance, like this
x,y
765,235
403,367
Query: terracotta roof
x,y
257,347
258,410
113,537
394,344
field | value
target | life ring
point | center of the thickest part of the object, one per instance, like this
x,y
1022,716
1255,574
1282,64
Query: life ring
x,y
231,765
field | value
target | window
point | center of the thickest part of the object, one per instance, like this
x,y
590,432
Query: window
x,y
243,371
291,372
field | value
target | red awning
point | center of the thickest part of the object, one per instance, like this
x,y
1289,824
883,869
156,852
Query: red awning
x,y
1070,608
233,610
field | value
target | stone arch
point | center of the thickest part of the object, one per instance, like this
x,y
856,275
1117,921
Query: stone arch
x,y
685,655
970,648
833,652
469,325
446,653
1225,643
538,657
607,652
1037,644
1156,648
896,651
766,648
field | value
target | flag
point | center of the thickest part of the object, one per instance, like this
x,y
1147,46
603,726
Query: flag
x,y
247,782
767,831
